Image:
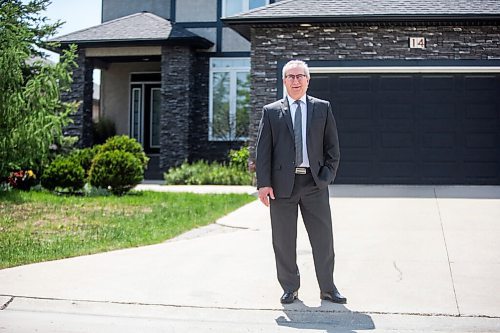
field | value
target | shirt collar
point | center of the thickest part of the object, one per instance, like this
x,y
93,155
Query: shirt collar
x,y
303,99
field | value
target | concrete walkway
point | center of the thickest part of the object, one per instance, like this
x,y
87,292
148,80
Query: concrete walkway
x,y
409,259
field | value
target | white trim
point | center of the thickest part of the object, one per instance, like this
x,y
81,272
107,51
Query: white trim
x,y
405,69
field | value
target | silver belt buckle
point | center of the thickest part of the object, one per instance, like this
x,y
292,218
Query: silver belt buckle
x,y
300,171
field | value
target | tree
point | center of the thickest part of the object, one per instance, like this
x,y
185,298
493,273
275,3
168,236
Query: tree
x,y
32,115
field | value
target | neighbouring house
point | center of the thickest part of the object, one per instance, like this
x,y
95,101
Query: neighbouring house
x,y
414,84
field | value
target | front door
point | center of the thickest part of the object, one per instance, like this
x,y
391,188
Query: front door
x,y
145,115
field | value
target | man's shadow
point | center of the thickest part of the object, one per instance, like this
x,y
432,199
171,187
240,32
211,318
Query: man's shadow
x,y
328,317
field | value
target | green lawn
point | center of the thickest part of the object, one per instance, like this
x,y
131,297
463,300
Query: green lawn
x,y
40,226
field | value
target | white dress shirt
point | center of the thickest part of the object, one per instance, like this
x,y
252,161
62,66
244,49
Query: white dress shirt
x,y
303,109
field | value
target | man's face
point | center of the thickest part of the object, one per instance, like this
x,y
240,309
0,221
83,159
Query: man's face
x,y
296,82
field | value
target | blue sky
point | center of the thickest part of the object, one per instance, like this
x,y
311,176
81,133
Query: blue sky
x,y
77,15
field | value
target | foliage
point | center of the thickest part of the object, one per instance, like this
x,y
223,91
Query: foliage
x,y
204,173
85,157
124,143
32,115
64,174
37,226
22,179
238,159
117,170
103,130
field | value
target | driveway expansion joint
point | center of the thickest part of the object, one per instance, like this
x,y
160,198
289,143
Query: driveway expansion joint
x,y
286,308
4,306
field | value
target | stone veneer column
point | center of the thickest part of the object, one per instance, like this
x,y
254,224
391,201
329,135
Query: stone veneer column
x,y
81,91
176,86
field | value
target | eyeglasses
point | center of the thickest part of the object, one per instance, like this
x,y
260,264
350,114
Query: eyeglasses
x,y
292,77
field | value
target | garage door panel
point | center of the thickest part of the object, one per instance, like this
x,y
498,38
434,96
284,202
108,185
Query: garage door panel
x,y
481,111
396,155
354,110
397,170
397,140
437,110
481,170
353,171
365,155
387,125
481,83
396,111
390,83
417,128
357,84
434,83
439,172
439,140
482,140
357,140
439,125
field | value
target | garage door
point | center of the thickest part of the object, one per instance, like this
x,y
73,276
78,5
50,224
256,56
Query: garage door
x,y
415,128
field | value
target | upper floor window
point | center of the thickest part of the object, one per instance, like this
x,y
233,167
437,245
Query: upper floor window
x,y
233,7
229,99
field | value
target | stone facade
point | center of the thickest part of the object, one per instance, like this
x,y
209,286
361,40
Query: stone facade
x,y
272,46
176,101
81,92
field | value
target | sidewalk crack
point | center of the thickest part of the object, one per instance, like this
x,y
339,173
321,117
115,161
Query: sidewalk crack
x,y
447,252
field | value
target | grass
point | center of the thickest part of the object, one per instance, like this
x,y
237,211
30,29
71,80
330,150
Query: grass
x,y
41,226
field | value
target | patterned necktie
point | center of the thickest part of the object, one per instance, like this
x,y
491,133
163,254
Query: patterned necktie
x,y
297,131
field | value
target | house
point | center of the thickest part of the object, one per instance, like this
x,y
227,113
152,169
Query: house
x,y
172,76
414,84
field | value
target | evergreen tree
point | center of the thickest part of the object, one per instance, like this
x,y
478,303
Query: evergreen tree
x,y
32,115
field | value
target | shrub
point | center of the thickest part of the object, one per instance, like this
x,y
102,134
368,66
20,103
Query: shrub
x,y
102,130
22,179
203,173
124,143
118,171
84,157
64,173
239,158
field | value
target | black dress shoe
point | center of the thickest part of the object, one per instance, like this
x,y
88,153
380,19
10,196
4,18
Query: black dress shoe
x,y
333,296
288,297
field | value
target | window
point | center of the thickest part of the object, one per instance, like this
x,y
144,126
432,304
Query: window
x,y
233,7
229,99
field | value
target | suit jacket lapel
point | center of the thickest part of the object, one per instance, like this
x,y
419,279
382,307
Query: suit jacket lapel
x,y
285,109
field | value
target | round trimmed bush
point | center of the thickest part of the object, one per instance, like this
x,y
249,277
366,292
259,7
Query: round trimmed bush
x,y
84,157
65,173
124,143
116,170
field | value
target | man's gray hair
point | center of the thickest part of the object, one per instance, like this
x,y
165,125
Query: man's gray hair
x,y
296,63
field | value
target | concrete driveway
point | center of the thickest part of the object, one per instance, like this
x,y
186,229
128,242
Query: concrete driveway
x,y
419,259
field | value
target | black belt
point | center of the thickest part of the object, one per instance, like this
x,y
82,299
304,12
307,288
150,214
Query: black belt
x,y
302,171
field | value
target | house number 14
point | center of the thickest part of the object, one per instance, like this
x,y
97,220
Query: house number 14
x,y
417,42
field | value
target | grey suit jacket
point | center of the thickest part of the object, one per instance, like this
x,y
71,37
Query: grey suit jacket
x,y
275,153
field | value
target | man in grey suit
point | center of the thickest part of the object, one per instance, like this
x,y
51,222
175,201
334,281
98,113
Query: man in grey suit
x,y
297,157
